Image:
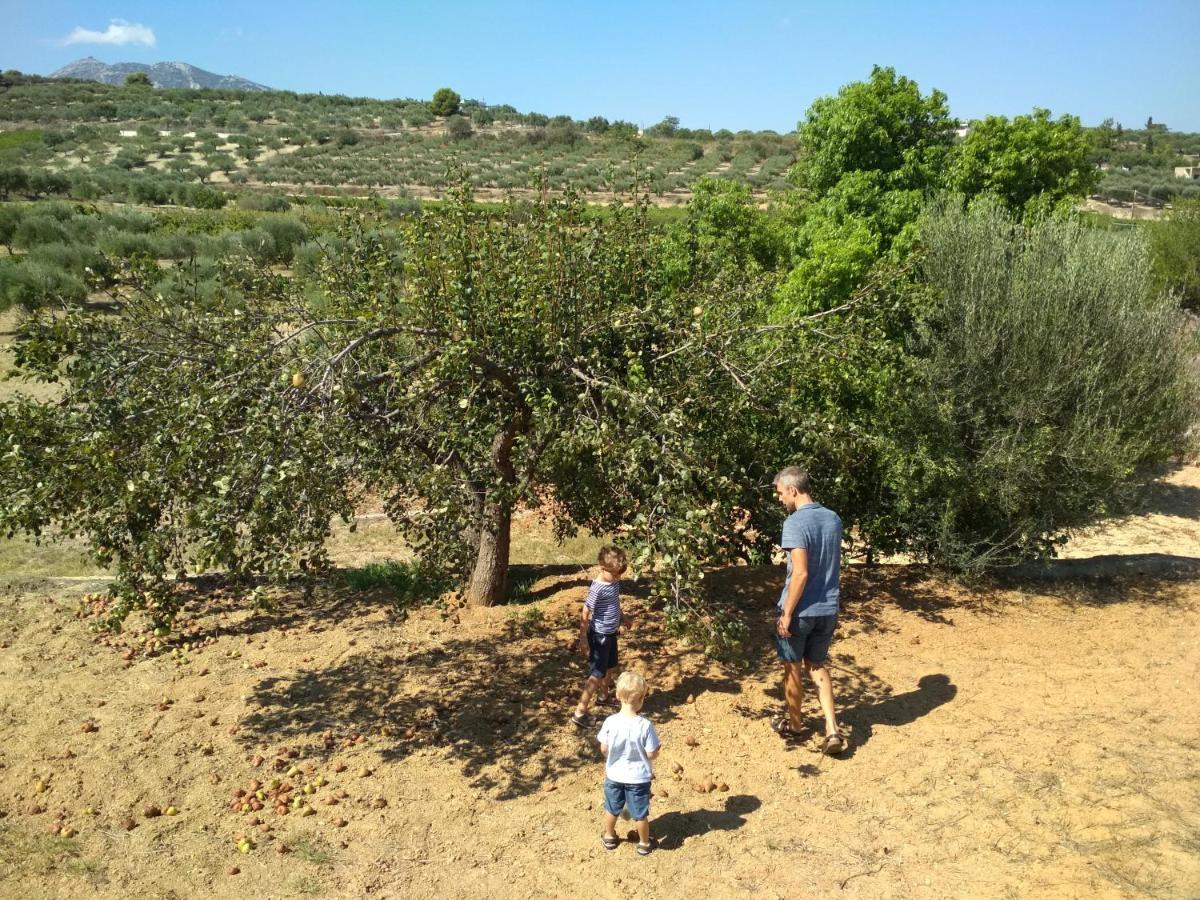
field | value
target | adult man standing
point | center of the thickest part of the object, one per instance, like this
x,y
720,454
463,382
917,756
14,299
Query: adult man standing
x,y
808,606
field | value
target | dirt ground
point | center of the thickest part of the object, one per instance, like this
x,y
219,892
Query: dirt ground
x,y
1037,737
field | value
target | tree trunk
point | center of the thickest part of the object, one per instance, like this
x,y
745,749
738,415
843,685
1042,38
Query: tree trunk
x,y
489,580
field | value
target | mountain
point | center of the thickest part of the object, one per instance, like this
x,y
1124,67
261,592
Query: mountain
x,y
163,74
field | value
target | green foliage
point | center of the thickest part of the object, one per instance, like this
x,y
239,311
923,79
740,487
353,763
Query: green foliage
x,y
19,137
264,202
138,79
1048,374
869,156
1029,156
459,127
1175,251
882,125
468,362
407,582
721,223
445,103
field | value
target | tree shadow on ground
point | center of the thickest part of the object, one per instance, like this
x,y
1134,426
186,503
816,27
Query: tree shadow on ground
x,y
1161,497
1096,575
674,828
866,594
498,703
216,611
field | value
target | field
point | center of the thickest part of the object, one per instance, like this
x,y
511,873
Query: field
x,y
100,142
1031,738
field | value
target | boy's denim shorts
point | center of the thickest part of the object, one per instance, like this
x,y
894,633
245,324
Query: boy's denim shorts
x,y
602,653
810,640
636,796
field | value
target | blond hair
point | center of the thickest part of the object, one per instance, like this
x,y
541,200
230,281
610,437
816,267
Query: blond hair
x,y
631,688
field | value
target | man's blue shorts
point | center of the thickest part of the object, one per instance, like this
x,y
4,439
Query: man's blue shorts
x,y
602,653
617,796
810,640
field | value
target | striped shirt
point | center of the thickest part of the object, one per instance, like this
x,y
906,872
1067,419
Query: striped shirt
x,y
604,603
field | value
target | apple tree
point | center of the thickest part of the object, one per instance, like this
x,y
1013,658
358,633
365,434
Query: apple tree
x,y
455,365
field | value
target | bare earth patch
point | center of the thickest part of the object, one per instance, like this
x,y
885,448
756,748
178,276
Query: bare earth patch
x,y
1034,739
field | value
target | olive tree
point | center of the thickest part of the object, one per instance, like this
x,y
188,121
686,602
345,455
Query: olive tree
x,y
1049,375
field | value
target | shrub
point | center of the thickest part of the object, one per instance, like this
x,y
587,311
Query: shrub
x,y
1175,248
129,220
39,228
1050,374
31,284
286,234
459,127
126,245
258,244
264,202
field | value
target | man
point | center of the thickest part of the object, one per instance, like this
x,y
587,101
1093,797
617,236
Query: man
x,y
808,606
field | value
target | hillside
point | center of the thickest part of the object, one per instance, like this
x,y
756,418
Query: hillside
x,y
162,74
138,143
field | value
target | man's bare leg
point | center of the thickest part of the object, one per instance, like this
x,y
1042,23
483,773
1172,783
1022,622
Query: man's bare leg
x,y
793,692
819,673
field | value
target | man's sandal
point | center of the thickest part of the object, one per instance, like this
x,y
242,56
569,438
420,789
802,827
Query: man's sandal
x,y
782,727
644,849
833,744
610,841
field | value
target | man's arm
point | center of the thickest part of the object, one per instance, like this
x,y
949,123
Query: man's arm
x,y
795,590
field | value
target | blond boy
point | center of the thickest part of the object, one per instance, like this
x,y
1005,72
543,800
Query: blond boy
x,y
629,743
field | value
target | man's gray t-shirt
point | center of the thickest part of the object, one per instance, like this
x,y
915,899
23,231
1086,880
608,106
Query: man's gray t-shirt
x,y
818,530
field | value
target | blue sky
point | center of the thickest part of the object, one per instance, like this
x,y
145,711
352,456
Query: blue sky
x,y
714,65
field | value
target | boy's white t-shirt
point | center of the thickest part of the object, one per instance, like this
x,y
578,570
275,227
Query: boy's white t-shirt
x,y
629,739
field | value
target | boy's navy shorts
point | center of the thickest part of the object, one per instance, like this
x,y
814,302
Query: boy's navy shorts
x,y
810,640
602,653
617,796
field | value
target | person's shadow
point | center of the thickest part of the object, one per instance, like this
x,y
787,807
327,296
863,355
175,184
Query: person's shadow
x,y
901,709
673,828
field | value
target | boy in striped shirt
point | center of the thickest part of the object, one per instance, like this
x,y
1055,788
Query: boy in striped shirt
x,y
598,625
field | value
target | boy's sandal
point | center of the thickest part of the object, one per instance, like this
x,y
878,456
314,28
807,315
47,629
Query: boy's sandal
x,y
644,849
583,721
833,744
784,729
610,841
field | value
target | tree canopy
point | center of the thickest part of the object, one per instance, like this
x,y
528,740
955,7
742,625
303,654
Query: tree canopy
x,y
445,102
474,362
1025,157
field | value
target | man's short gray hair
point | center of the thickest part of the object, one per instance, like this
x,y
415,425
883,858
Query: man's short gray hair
x,y
794,477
